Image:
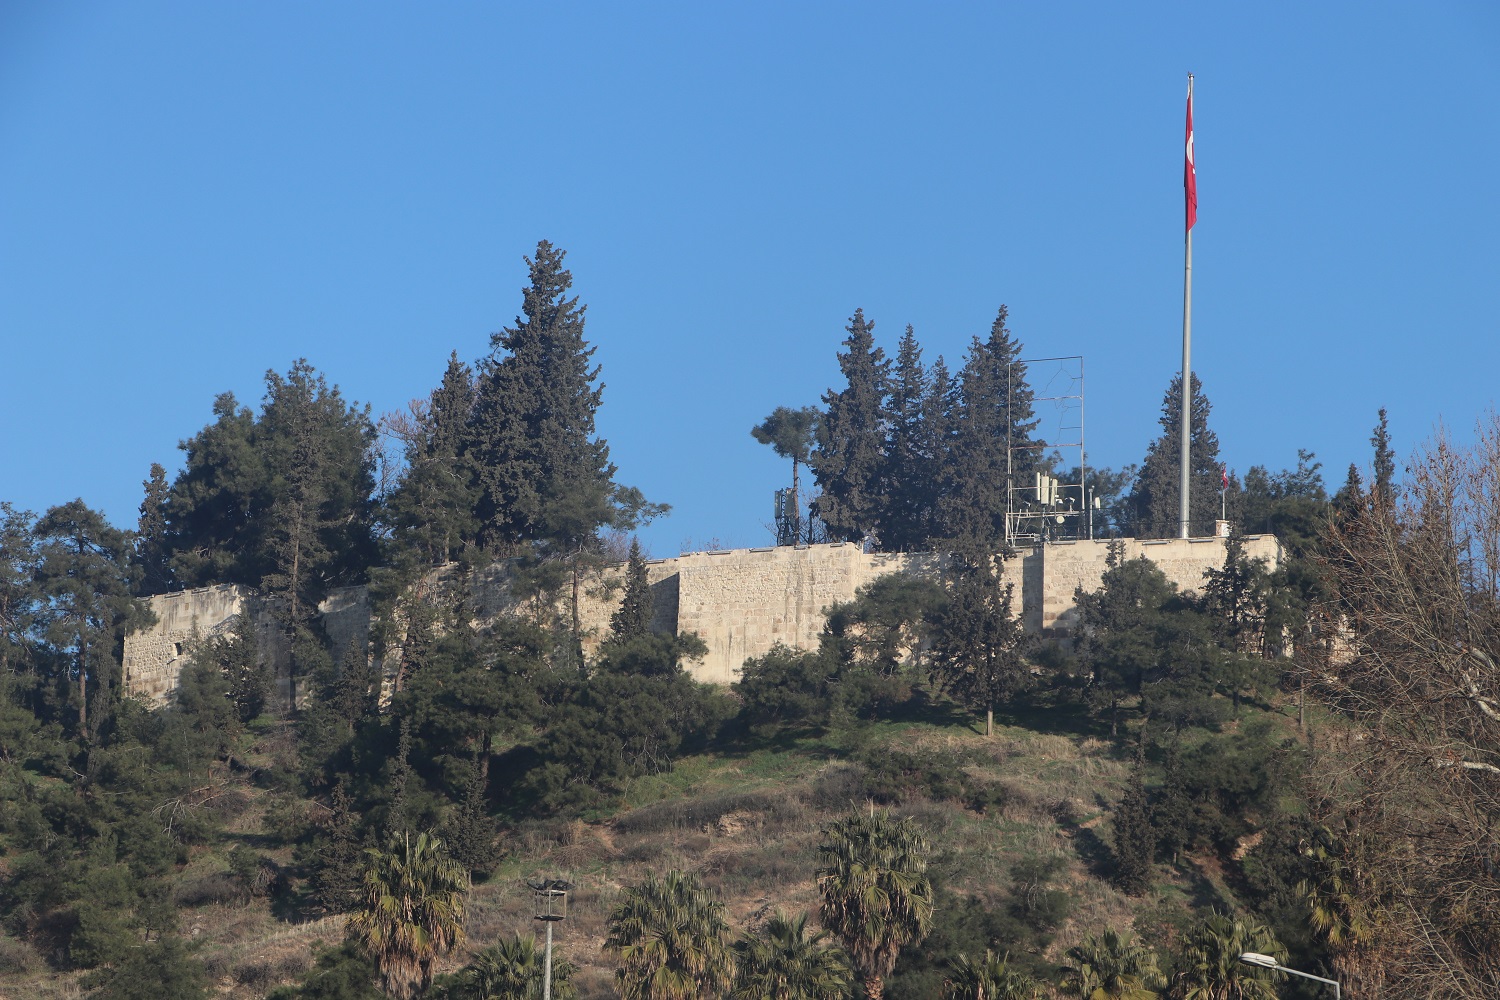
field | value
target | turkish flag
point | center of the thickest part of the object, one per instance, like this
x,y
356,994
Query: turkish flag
x,y
1189,172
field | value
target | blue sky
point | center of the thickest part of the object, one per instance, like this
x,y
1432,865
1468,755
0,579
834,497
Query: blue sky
x,y
193,193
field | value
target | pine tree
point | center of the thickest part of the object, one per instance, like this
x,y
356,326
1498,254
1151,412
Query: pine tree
x,y
791,434
1152,509
906,477
1172,814
993,447
431,511
318,523
18,597
978,650
633,619
216,509
151,552
851,437
86,582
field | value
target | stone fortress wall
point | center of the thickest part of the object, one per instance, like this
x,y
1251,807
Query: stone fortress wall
x,y
742,602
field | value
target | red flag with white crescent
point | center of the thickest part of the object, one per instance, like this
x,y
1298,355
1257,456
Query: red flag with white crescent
x,y
1189,172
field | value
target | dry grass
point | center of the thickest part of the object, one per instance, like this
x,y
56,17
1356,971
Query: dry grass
x,y
748,825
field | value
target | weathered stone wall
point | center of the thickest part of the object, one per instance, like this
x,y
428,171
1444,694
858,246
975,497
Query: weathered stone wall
x,y
745,601
1066,566
741,601
154,658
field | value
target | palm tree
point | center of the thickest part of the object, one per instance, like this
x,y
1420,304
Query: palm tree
x,y
413,911
876,896
672,939
1339,910
512,970
1108,967
1209,967
785,963
991,979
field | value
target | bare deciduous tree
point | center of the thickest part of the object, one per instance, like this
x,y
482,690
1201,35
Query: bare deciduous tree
x,y
1411,786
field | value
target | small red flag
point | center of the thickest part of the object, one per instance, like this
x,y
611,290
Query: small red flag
x,y
1226,477
1189,172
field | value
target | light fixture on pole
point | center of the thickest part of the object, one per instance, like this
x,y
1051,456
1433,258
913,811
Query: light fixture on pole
x,y
549,905
1267,962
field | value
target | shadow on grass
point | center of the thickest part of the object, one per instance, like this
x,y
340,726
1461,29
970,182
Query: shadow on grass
x,y
1096,855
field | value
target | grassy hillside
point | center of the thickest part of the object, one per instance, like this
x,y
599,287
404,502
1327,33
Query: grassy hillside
x,y
1019,822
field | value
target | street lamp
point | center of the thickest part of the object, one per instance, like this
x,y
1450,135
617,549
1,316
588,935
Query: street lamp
x,y
549,905
1267,962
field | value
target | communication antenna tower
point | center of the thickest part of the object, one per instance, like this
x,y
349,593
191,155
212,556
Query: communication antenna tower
x,y
1042,508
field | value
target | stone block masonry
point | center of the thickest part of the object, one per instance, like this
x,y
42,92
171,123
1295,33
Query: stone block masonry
x,y
742,602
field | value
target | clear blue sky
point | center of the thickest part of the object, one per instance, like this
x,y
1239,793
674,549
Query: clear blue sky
x,y
192,193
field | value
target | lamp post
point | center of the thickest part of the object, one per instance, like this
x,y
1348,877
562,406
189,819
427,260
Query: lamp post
x,y
549,905
1267,962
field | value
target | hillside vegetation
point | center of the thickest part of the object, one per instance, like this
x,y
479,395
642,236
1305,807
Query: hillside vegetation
x,y
1300,760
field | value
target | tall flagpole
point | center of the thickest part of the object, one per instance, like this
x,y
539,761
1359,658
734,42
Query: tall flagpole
x,y
1190,192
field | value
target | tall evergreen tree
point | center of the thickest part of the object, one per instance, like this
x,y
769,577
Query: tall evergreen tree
x,y
633,619
906,477
1152,510
993,444
1385,460
86,581
851,437
1135,837
318,524
286,495
431,511
18,598
978,650
938,422
151,551
544,474
217,505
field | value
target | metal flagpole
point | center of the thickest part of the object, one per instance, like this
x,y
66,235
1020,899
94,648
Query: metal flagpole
x,y
1190,184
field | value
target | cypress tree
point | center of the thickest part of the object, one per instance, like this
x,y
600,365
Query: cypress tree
x,y
1152,509
939,417
1135,840
151,551
1385,461
851,437
470,835
993,444
906,477
633,619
